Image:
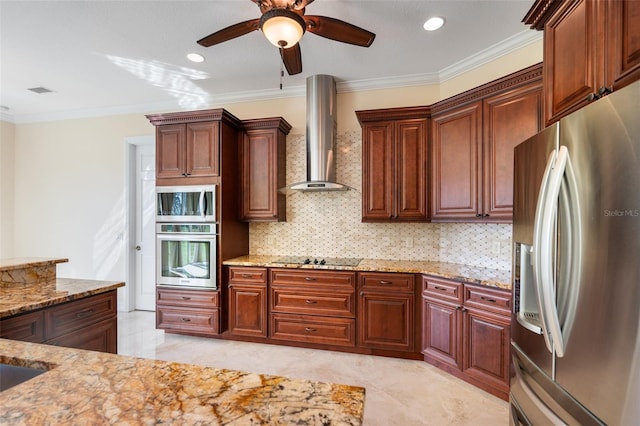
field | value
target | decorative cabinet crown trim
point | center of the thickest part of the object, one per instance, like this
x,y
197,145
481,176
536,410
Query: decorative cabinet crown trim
x,y
267,123
219,114
540,13
393,114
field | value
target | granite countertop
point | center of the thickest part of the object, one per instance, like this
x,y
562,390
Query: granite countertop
x,y
23,262
86,387
469,274
20,298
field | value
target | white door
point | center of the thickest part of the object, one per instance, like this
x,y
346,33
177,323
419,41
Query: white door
x,y
145,228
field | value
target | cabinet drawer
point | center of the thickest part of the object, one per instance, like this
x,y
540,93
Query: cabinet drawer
x,y
442,289
393,282
26,327
101,337
247,275
188,298
80,313
200,321
313,302
488,299
311,329
310,278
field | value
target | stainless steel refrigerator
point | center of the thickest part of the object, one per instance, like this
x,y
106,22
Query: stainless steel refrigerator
x,y
576,268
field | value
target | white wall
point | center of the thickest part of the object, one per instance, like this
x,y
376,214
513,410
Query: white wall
x,y
7,157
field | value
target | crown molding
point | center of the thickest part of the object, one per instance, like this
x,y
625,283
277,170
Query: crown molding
x,y
498,50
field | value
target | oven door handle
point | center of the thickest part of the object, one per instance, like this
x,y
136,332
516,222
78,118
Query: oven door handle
x,y
202,204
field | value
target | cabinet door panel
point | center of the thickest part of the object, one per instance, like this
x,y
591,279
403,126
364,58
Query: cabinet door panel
x,y
509,119
203,149
102,337
260,176
486,353
623,33
27,327
441,333
377,168
248,310
573,65
386,321
411,175
455,163
170,150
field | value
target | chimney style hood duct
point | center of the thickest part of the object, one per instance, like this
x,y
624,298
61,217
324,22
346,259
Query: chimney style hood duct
x,y
321,136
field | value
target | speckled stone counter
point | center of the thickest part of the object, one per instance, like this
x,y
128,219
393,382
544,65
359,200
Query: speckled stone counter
x,y
28,270
468,274
84,387
16,298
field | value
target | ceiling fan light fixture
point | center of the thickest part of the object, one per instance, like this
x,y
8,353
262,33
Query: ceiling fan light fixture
x,y
282,27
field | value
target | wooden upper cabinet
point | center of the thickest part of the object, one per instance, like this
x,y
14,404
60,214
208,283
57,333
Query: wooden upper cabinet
x,y
509,118
455,154
188,145
394,164
591,47
263,169
472,139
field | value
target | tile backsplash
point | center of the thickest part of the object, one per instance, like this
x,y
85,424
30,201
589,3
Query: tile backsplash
x,y
327,224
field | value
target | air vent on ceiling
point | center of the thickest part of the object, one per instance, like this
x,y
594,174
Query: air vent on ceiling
x,y
40,90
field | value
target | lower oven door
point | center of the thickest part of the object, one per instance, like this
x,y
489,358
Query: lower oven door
x,y
186,261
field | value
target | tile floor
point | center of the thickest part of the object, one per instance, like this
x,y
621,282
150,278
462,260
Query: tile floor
x,y
398,392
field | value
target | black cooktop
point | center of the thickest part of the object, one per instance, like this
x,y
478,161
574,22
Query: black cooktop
x,y
310,260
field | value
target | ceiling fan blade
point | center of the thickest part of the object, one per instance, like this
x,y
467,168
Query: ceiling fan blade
x,y
292,58
338,30
301,4
229,33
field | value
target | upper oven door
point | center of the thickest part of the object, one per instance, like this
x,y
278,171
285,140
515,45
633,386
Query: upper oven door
x,y
195,203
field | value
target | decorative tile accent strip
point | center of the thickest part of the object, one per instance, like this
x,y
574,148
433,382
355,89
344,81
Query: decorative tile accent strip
x,y
327,224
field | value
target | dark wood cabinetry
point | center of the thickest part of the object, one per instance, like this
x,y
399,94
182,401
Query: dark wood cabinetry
x,y
472,140
386,311
263,169
313,306
394,164
189,145
182,311
87,323
248,301
591,47
466,331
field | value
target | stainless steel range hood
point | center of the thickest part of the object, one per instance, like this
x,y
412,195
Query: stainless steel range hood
x,y
321,136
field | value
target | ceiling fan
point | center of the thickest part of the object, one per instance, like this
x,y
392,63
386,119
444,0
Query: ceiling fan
x,y
283,22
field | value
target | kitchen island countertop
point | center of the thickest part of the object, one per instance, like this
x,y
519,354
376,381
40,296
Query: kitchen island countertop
x,y
85,387
469,274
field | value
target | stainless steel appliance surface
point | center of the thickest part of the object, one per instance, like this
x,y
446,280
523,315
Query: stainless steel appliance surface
x,y
189,203
310,260
575,332
186,255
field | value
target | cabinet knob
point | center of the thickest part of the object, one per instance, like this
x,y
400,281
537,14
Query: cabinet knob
x,y
362,293
478,215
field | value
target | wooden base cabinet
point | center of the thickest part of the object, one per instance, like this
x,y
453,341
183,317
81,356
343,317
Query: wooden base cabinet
x,y
248,301
386,311
88,323
466,331
193,312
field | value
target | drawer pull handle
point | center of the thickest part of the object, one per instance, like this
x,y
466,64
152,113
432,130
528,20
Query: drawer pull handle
x,y
186,298
247,275
309,278
310,302
440,288
385,282
488,299
186,319
310,330
84,314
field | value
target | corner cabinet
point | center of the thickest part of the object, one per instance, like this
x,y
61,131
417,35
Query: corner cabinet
x,y
394,164
263,169
591,48
472,139
466,331
188,145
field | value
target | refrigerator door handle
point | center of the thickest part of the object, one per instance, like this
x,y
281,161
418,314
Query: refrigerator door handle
x,y
547,267
543,199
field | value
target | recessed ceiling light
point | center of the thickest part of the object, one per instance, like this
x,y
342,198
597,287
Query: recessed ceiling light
x,y
195,57
434,23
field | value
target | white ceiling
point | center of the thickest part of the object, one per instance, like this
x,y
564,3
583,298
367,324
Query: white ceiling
x,y
104,57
